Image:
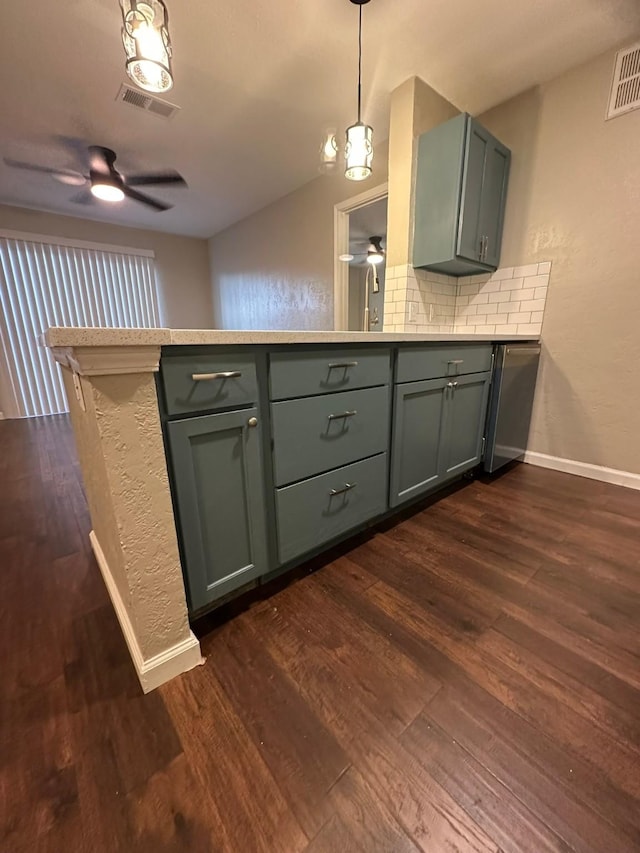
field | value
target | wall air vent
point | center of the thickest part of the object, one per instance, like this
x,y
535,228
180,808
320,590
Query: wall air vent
x,y
625,87
136,98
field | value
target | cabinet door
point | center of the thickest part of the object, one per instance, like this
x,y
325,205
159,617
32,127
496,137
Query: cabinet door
x,y
470,234
466,409
494,194
417,438
219,495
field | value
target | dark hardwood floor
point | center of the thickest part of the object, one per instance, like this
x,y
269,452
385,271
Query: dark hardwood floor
x,y
466,679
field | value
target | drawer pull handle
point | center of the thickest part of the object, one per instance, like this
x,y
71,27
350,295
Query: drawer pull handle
x,y
225,374
452,384
346,488
456,361
343,364
342,415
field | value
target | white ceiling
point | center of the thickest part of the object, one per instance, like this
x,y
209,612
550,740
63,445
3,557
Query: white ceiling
x,y
257,82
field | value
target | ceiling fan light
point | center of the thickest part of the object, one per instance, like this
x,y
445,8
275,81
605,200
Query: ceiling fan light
x,y
374,257
147,44
358,152
107,192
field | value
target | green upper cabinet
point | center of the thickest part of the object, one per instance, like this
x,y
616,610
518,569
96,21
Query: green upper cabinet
x,y
460,195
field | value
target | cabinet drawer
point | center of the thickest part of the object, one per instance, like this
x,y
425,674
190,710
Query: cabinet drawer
x,y
416,363
304,374
315,434
320,509
185,394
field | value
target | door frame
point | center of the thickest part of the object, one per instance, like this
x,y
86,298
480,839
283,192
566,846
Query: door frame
x,y
341,213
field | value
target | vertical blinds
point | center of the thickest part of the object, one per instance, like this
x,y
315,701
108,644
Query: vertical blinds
x,y
44,284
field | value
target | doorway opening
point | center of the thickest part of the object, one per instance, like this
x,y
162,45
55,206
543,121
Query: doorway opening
x,y
360,241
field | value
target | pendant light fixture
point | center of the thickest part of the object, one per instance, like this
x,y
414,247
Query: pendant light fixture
x,y
358,149
145,35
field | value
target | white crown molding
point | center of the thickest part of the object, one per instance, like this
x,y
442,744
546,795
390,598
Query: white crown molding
x,y
157,670
584,469
109,360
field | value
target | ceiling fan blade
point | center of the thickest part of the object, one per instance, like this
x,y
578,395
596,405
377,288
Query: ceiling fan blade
x,y
33,167
145,199
84,197
168,177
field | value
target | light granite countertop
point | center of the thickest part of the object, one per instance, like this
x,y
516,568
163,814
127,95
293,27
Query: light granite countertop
x,y
60,336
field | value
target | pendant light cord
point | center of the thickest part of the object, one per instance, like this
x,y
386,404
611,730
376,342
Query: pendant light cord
x,y
359,62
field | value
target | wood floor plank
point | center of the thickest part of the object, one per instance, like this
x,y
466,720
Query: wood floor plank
x,y
496,809
226,761
566,791
304,758
516,691
463,679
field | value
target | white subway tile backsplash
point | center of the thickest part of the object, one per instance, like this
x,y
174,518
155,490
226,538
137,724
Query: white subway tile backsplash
x,y
532,305
528,269
511,283
529,329
504,272
527,293
506,307
509,302
538,281
479,299
467,311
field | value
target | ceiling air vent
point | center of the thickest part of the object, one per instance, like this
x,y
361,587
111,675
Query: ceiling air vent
x,y
135,98
625,88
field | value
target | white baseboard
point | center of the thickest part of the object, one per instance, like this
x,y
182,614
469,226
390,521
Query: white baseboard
x,y
584,469
154,671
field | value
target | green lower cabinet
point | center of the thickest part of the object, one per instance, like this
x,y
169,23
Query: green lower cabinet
x,y
437,432
465,416
219,489
417,438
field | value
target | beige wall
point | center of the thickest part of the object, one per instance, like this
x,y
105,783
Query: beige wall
x,y
574,199
182,263
274,270
415,108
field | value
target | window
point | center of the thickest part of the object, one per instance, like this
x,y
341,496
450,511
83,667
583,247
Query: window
x,y
45,283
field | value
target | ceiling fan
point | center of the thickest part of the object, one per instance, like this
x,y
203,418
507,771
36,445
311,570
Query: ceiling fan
x,y
373,254
105,181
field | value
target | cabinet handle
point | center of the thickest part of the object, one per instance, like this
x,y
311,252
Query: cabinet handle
x,y
346,488
456,361
481,249
252,422
452,384
342,415
486,248
343,364
205,377
524,350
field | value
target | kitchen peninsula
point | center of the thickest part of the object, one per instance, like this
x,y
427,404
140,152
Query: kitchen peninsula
x,y
215,459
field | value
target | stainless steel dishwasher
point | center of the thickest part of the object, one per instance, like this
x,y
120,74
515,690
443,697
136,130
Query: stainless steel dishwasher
x,y
511,402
